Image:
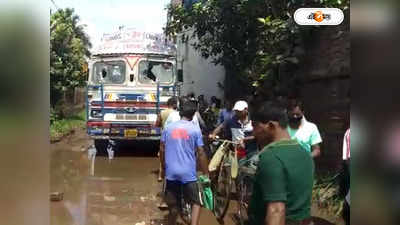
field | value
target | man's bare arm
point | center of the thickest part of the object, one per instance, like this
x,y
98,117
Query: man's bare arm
x,y
217,130
162,156
158,121
242,141
201,121
248,138
315,151
202,159
275,213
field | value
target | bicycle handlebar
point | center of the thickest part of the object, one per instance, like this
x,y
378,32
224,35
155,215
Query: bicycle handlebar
x,y
224,140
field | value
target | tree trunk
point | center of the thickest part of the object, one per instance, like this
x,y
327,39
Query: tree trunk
x,y
234,86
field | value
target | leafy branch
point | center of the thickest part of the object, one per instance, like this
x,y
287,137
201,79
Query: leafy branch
x,y
69,46
257,39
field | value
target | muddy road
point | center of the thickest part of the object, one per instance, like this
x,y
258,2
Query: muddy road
x,y
121,191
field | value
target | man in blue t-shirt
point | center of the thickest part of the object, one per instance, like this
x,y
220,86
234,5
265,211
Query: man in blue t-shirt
x,y
179,143
226,113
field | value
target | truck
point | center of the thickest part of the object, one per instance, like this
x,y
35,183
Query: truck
x,y
132,74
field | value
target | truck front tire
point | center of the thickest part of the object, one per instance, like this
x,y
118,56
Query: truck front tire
x,y
101,146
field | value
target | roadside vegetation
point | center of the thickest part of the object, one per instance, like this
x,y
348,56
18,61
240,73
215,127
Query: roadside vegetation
x,y
325,195
69,51
61,127
257,42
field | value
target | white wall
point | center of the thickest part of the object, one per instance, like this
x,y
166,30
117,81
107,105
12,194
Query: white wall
x,y
199,75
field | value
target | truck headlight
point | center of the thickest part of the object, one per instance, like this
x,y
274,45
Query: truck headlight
x,y
167,91
96,113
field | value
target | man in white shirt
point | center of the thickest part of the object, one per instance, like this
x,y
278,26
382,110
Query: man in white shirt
x,y
175,116
346,158
305,132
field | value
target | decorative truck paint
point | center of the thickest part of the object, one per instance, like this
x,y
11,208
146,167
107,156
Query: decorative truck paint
x,y
122,102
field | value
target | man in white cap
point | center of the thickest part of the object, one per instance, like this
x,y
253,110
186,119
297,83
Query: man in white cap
x,y
238,128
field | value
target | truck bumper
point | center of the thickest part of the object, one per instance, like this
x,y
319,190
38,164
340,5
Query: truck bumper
x,y
122,131
139,138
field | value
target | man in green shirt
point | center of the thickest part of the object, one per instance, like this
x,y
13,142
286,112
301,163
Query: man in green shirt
x,y
284,178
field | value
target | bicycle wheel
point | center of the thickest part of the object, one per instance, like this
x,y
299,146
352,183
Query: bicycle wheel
x,y
245,186
222,189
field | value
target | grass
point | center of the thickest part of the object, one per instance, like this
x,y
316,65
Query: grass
x,y
62,127
325,195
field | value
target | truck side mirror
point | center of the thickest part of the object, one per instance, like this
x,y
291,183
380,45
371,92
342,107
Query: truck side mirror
x,y
180,75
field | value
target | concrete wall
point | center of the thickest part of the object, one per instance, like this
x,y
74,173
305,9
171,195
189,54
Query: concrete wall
x,y
200,75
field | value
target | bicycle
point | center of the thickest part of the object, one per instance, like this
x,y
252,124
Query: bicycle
x,y
244,171
225,163
244,185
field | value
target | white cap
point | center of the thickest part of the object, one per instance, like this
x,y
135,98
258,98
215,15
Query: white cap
x,y
240,106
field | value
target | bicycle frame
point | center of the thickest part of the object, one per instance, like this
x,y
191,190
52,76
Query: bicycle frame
x,y
231,154
226,156
225,163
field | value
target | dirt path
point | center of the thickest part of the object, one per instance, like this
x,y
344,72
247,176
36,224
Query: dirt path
x,y
122,191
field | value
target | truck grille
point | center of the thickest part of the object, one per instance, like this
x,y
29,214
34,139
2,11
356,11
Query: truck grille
x,y
134,117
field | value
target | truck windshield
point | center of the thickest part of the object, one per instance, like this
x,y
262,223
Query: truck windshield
x,y
112,72
164,71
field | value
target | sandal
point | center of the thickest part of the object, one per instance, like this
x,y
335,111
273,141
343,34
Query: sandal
x,y
162,205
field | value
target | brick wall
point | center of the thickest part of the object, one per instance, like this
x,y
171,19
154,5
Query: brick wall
x,y
325,90
327,105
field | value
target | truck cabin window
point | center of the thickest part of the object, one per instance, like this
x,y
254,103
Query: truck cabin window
x,y
150,70
109,72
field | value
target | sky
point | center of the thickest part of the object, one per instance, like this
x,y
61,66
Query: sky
x,y
104,16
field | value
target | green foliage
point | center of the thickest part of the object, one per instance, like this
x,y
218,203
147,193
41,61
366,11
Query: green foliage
x,y
248,37
277,42
256,39
61,127
69,45
224,29
53,116
342,4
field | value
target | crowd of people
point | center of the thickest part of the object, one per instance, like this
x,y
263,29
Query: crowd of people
x,y
278,132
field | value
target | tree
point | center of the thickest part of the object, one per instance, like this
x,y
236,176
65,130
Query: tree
x,y
69,48
256,41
